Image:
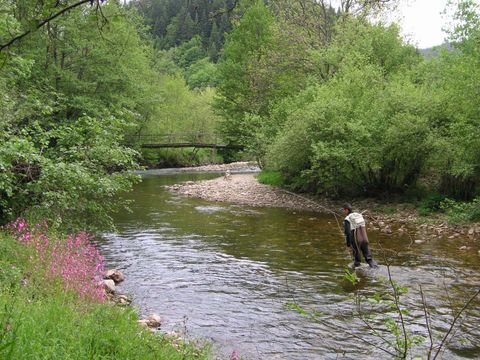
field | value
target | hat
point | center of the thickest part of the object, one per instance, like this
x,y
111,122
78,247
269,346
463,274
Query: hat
x,y
347,206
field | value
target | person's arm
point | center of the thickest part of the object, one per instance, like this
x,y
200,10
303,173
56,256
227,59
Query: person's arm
x,y
348,232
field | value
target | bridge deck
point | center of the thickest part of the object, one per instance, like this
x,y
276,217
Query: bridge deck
x,y
187,145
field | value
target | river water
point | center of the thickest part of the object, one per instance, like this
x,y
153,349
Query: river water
x,y
241,277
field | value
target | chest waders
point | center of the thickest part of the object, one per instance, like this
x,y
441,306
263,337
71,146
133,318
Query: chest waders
x,y
359,236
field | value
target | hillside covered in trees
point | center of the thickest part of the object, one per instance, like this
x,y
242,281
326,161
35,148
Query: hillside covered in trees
x,y
174,22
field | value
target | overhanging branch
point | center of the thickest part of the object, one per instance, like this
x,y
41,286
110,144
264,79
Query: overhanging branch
x,y
46,21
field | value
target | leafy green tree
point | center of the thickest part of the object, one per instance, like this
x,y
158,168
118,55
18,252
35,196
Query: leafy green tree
x,y
182,111
71,93
188,53
353,133
259,67
452,82
201,74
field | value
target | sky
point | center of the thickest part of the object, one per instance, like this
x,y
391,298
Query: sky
x,y
422,22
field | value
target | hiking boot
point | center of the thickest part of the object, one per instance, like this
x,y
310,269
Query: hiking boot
x,y
372,264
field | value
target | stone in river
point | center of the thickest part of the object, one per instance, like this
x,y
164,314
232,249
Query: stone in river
x,y
115,275
109,285
154,321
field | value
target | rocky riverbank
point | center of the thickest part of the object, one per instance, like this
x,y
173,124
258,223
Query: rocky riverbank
x,y
246,190
153,322
242,166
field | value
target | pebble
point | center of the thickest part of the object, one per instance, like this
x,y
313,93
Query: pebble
x,y
463,247
143,323
419,241
123,300
387,230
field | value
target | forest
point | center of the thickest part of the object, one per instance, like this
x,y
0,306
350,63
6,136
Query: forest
x,y
337,104
331,102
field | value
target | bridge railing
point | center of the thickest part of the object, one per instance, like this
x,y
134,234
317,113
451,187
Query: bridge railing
x,y
174,138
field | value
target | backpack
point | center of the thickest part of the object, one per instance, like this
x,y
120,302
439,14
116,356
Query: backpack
x,y
356,220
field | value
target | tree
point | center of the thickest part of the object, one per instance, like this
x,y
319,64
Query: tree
x,y
452,81
71,92
351,133
36,23
258,68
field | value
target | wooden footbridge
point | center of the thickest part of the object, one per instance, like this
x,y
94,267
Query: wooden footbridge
x,y
179,140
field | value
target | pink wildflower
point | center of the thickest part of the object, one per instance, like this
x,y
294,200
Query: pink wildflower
x,y
76,262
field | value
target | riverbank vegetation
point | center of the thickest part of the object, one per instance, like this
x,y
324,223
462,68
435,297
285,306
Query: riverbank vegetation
x,y
77,80
356,112
74,94
52,307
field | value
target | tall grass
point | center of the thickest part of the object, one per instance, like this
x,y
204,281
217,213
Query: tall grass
x,y
52,308
268,177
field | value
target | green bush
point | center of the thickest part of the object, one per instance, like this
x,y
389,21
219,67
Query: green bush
x,y
362,134
461,212
432,203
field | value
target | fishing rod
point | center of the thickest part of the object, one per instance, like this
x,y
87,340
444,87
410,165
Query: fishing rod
x,y
334,213
326,209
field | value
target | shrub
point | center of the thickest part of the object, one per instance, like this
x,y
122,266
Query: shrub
x,y
361,134
462,212
432,203
270,178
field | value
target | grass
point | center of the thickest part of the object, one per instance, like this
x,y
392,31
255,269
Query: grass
x,y
268,177
42,320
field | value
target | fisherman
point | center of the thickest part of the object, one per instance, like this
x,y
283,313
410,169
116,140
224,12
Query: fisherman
x,y
356,236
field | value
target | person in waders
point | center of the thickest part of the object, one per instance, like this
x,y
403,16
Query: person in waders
x,y
356,236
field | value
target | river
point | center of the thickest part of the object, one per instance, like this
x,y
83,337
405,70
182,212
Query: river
x,y
233,275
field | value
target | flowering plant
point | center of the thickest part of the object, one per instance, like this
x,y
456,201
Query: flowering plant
x,y
75,262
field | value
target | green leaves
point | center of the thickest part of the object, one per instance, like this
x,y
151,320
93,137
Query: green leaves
x,y
68,98
351,277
